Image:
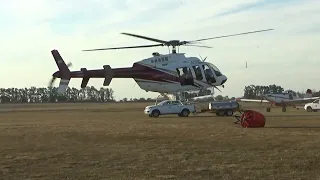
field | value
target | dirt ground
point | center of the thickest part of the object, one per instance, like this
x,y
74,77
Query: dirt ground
x,y
117,141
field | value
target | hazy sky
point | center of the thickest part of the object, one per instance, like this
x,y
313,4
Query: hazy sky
x,y
288,56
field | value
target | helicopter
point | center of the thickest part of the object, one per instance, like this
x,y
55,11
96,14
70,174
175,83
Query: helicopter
x,y
163,73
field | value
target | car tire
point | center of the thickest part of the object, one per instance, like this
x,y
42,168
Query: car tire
x,y
155,113
220,113
228,112
185,113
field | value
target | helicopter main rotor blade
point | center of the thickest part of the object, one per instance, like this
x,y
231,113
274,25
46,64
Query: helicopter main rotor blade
x,y
147,38
231,35
126,47
197,45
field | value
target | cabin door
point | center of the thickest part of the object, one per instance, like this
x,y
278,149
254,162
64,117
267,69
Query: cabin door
x,y
186,76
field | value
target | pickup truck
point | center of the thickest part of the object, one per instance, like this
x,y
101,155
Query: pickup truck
x,y
170,107
313,106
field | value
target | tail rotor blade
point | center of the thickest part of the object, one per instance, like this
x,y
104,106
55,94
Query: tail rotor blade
x,y
52,81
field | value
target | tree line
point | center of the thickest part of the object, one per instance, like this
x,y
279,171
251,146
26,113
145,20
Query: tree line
x,y
50,95
91,94
88,94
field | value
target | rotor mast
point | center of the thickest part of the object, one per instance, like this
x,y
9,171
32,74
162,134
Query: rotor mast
x,y
174,50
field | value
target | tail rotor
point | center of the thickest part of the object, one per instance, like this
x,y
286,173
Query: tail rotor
x,y
54,76
53,79
64,73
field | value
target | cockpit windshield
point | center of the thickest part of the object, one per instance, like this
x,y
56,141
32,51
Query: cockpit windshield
x,y
215,69
291,92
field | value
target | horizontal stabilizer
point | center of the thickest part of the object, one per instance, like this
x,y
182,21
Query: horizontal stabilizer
x,y
108,75
86,77
84,82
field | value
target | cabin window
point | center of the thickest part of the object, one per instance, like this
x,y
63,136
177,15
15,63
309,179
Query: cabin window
x,y
166,58
197,71
208,74
186,75
175,103
152,61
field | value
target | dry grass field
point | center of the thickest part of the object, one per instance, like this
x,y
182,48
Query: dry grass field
x,y
117,141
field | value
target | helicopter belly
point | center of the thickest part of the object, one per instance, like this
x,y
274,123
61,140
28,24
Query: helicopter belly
x,y
162,87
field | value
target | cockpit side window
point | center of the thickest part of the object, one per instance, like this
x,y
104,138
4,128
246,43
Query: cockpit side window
x,y
185,72
197,72
186,75
294,93
208,74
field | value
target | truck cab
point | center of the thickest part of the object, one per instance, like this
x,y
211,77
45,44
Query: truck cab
x,y
313,106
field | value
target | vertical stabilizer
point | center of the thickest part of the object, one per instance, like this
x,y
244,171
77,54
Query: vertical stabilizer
x,y
308,94
64,72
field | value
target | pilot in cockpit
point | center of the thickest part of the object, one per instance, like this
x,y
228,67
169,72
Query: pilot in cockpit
x,y
209,76
208,72
186,73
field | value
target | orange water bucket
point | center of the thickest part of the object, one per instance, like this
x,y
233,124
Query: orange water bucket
x,y
251,119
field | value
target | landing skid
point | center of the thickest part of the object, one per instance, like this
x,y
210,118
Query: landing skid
x,y
283,106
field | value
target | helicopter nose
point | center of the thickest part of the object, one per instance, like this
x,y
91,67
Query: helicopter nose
x,y
224,79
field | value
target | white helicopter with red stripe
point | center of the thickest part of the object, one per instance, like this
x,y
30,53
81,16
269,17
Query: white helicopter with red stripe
x,y
164,73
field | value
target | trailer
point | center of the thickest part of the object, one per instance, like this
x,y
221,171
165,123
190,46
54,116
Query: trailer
x,y
221,108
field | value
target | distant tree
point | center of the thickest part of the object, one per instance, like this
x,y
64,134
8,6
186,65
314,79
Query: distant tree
x,y
219,98
50,95
256,91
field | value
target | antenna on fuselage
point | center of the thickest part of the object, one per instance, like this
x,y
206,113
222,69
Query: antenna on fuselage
x,y
203,60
